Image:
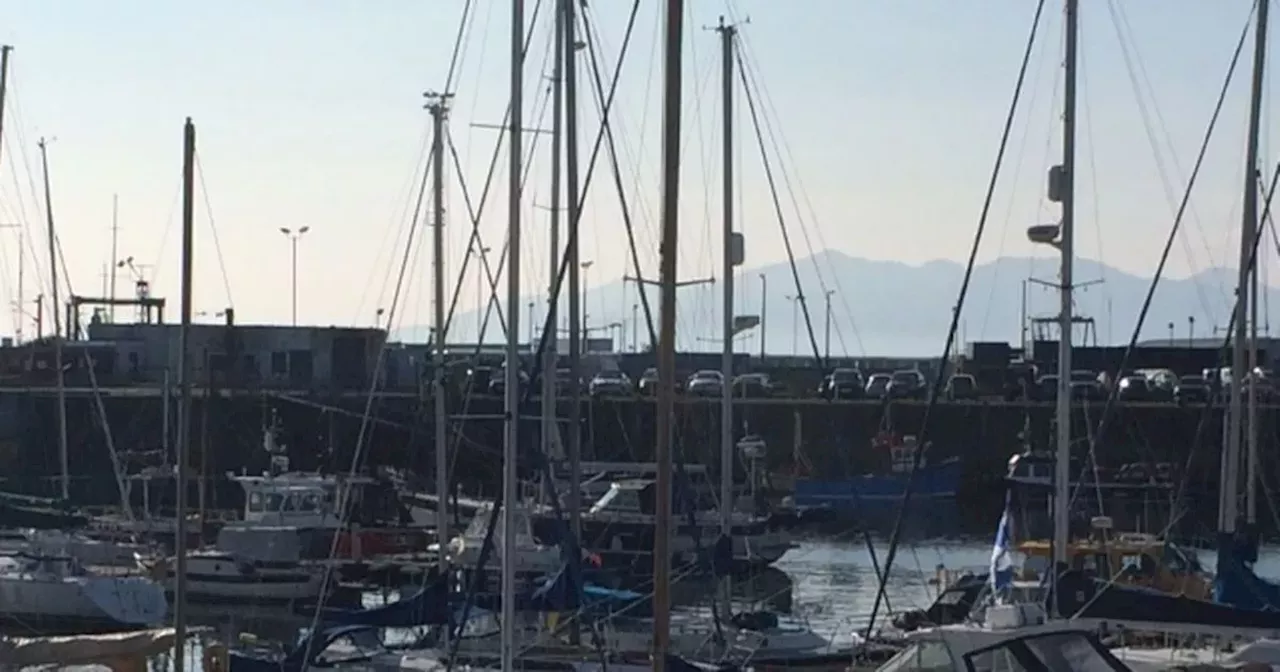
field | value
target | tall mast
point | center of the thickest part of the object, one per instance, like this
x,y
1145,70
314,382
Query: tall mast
x,y
184,398
1066,183
57,325
549,356
1228,509
438,105
673,82
4,89
728,33
570,73
115,238
511,446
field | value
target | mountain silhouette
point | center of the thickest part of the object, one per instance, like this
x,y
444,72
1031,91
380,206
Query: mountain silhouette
x,y
889,308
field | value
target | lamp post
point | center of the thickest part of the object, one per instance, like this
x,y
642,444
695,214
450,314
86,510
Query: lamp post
x,y
795,320
826,342
764,303
478,253
293,236
585,266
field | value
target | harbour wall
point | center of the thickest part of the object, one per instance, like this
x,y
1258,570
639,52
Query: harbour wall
x,y
804,437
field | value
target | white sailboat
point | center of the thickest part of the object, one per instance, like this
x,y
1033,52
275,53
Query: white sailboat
x,y
56,591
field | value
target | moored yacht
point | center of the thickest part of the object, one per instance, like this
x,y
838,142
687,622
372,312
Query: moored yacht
x,y
55,592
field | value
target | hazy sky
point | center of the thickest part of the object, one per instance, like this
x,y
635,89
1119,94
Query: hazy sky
x,y
309,112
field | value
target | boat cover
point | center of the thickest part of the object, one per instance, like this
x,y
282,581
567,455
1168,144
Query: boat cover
x,y
1083,596
86,649
1235,583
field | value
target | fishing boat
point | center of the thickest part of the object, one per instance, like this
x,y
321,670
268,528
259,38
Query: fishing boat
x,y
216,576
55,592
932,480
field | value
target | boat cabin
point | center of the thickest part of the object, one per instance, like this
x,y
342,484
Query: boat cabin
x,y
304,500
1133,559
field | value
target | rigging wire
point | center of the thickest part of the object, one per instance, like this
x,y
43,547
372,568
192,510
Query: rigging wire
x,y
797,192
217,245
474,242
777,207
895,535
598,89
1112,397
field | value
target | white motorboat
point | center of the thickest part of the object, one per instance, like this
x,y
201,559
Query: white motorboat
x,y
56,591
89,551
216,576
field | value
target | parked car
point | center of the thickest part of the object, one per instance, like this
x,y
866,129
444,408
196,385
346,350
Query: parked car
x,y
1191,390
906,385
878,385
961,387
648,385
1086,386
705,383
842,384
610,383
498,382
1133,388
753,385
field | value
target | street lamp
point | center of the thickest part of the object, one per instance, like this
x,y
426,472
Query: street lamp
x,y
293,237
826,344
586,265
478,253
795,321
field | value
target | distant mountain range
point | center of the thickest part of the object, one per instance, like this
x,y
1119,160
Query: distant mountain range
x,y
888,308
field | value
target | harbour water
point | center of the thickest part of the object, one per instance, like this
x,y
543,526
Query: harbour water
x,y
831,585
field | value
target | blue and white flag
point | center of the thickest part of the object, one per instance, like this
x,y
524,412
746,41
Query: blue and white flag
x,y
1001,552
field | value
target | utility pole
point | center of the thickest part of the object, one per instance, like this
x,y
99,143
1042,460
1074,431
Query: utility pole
x,y
438,105
115,239
672,106
57,325
731,257
511,396
184,399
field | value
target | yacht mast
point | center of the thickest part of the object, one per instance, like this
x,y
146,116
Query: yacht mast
x,y
511,371
548,430
63,458
184,399
1229,489
577,331
438,105
1066,191
731,257
673,82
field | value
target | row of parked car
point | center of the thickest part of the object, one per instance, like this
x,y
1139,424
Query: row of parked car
x,y
1155,385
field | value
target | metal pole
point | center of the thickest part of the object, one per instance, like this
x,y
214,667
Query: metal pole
x,y
184,400
673,41
511,401
764,304
115,237
635,326
63,457
826,340
550,358
727,33
1062,474
438,105
570,72
293,247
1240,359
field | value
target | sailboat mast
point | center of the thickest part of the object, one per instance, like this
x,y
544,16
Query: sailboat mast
x,y
63,458
184,398
1066,174
511,445
550,358
673,83
1228,509
438,105
727,35
115,239
577,331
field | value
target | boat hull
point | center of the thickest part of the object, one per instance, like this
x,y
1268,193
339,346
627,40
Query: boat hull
x,y
88,603
935,481
222,578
